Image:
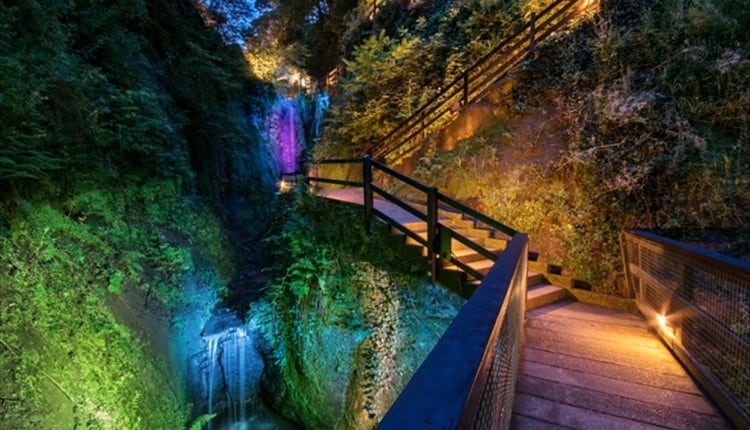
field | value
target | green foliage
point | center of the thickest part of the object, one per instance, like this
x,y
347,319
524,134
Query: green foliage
x,y
335,310
59,267
654,104
392,73
201,421
111,114
99,91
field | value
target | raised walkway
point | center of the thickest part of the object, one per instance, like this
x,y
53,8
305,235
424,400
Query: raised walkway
x,y
589,367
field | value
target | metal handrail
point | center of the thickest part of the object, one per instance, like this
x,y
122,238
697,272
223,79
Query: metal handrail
x,y
468,380
429,214
482,346
698,301
465,89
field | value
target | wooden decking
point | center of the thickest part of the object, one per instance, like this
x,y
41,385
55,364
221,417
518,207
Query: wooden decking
x,y
356,196
586,367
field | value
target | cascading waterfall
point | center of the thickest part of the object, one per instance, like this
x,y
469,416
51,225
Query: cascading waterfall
x,y
234,366
235,373
322,103
288,147
212,346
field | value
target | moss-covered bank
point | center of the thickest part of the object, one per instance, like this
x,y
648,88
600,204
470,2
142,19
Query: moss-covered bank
x,y
347,324
74,354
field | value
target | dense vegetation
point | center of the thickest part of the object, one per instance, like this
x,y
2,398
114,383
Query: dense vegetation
x,y
350,320
638,118
128,134
124,133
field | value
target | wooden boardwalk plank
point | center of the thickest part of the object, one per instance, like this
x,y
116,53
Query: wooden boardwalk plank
x,y
598,350
634,409
586,367
581,311
644,376
562,414
633,390
530,423
625,334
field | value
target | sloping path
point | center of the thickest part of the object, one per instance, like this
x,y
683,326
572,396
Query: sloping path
x,y
587,367
356,196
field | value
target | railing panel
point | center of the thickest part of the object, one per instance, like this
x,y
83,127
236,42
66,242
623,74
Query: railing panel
x,y
699,303
468,380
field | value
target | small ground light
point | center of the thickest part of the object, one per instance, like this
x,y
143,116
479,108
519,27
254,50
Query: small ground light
x,y
285,186
665,327
662,320
287,182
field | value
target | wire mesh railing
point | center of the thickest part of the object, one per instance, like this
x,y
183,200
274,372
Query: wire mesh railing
x,y
699,303
468,380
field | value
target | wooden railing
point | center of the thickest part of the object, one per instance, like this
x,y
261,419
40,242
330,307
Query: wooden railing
x,y
475,81
439,236
469,378
699,303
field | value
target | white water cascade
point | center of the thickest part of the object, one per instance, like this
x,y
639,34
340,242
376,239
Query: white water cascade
x,y
234,367
322,103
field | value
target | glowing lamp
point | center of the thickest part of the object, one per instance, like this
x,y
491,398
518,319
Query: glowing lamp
x,y
285,186
662,320
664,325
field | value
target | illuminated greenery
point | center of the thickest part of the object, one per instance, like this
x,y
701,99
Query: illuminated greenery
x,y
392,72
66,357
649,103
124,130
347,330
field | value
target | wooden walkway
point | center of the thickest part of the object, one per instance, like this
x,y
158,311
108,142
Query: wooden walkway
x,y
587,367
356,196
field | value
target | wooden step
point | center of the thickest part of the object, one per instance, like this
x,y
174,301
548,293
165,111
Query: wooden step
x,y
482,266
533,278
450,214
473,232
538,295
455,244
497,243
415,226
457,223
468,255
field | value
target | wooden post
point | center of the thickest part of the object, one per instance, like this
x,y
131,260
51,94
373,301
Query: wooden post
x,y
433,239
367,190
532,30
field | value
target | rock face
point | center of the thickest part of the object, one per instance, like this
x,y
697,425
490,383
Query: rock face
x,y
344,371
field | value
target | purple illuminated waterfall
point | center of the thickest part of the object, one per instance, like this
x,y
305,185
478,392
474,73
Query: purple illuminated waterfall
x,y
288,145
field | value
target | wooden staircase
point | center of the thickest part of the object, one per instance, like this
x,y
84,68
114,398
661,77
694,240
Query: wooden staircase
x,y
540,291
478,79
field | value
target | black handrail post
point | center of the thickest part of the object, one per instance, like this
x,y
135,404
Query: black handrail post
x,y
367,189
532,30
433,239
